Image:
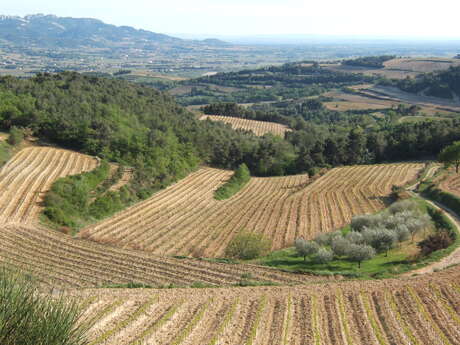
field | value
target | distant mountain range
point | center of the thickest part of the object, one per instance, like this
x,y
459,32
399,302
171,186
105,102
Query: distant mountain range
x,y
49,31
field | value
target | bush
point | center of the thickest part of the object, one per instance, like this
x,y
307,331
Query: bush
x,y
437,241
323,256
305,248
248,246
28,317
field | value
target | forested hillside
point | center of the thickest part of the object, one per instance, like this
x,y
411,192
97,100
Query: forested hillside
x,y
445,84
144,128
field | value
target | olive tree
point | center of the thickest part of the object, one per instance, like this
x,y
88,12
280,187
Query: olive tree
x,y
305,248
323,256
360,252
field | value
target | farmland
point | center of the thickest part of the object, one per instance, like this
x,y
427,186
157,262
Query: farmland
x,y
25,179
257,127
185,219
58,260
423,310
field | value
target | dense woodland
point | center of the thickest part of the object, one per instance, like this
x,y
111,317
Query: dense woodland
x,y
445,84
369,61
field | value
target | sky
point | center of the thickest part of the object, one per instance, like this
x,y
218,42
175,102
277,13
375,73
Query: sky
x,y
389,18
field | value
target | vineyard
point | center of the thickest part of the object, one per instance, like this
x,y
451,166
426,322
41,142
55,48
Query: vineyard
x,y
414,311
451,184
26,178
185,219
257,127
58,260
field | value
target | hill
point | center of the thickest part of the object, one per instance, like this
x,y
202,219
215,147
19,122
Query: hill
x,y
443,84
185,219
49,31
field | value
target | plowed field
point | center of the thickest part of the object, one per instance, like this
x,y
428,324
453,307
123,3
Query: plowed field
x,y
26,178
185,219
257,127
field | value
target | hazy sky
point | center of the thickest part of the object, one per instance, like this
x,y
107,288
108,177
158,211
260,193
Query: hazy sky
x,y
256,17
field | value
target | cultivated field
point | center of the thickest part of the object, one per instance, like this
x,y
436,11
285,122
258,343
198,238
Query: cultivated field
x,y
26,178
404,312
61,261
451,184
185,219
400,68
257,127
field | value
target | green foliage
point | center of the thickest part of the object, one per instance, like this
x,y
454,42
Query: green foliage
x,y
5,152
360,253
451,155
28,317
68,201
438,84
239,179
248,246
305,248
16,136
369,61
448,199
324,256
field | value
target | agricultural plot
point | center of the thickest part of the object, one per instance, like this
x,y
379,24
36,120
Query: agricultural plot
x,y
257,127
417,311
185,219
451,184
25,179
58,260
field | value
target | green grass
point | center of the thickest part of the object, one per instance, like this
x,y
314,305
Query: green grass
x,y
5,152
399,260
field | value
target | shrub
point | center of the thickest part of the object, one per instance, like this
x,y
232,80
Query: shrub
x,y
323,256
247,246
305,248
437,241
360,252
28,317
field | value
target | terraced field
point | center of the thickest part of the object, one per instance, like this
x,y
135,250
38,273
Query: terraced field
x,y
29,174
404,312
185,219
58,260
257,127
451,184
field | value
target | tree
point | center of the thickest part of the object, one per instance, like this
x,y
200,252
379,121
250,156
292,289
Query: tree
x,y
16,136
305,248
360,252
247,245
380,239
450,155
323,256
340,246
